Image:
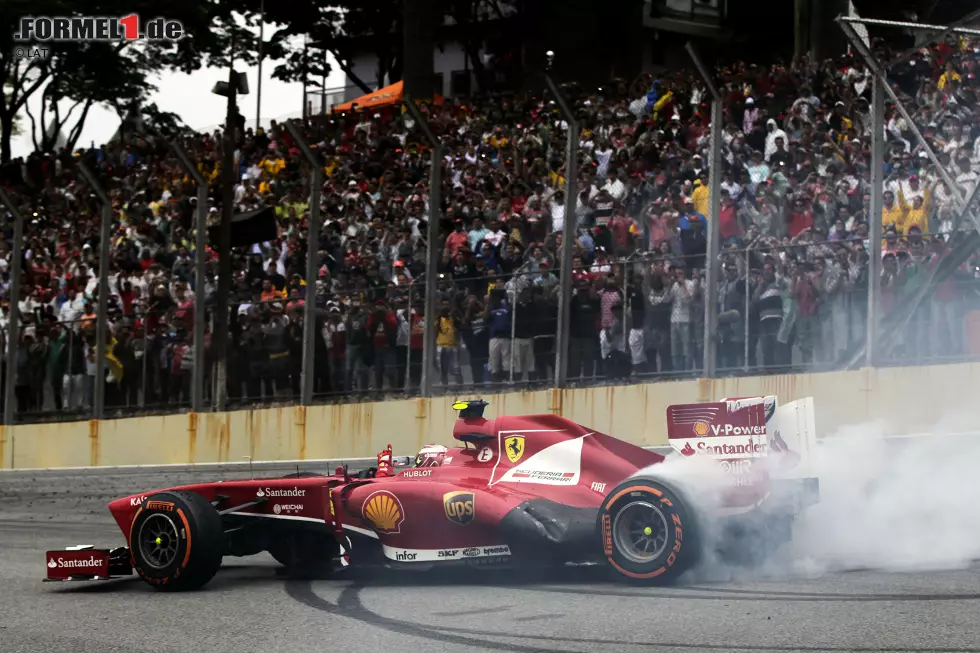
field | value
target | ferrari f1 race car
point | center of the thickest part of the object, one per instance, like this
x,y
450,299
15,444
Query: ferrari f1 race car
x,y
533,490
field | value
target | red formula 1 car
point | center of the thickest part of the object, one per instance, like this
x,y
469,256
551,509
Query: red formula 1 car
x,y
530,490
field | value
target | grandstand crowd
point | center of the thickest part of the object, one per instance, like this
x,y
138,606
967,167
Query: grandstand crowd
x,y
794,223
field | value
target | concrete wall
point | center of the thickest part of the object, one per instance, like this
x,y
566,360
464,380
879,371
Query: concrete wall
x,y
911,400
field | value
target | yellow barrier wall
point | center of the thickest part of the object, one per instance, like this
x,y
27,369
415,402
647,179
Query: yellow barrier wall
x,y
911,400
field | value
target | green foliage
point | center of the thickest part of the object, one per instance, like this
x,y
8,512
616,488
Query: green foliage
x,y
118,75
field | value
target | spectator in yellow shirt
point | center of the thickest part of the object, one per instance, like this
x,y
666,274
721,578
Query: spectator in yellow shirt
x,y
701,196
272,167
891,211
447,342
949,75
916,214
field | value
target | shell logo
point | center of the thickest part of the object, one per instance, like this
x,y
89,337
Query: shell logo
x,y
700,428
384,511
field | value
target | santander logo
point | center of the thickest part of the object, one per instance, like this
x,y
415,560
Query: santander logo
x,y
83,563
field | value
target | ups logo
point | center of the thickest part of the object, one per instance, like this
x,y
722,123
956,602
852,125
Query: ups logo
x,y
460,507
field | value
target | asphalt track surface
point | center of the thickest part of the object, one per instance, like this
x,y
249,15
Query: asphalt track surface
x,y
249,607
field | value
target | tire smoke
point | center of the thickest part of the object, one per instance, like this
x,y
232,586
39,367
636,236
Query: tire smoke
x,y
886,503
894,504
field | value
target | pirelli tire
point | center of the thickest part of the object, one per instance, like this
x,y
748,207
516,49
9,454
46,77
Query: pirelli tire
x,y
649,535
176,541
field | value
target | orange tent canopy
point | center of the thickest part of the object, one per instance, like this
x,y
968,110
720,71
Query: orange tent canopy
x,y
383,97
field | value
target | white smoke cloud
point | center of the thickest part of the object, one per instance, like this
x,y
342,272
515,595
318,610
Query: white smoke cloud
x,y
889,504
894,504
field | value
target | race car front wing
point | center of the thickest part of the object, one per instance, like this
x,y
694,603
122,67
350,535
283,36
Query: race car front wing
x,y
85,562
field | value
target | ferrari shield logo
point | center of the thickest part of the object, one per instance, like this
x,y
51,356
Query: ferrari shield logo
x,y
514,445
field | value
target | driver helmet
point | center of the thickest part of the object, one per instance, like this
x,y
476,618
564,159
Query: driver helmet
x,y
431,455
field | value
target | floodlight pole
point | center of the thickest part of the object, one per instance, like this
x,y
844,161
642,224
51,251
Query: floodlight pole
x,y
101,318
200,276
710,364
432,248
569,231
258,84
13,323
308,373
223,295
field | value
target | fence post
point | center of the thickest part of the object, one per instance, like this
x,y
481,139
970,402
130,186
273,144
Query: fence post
x,y
568,234
432,247
200,273
874,228
68,402
962,202
13,328
408,349
748,295
102,318
513,325
709,366
308,374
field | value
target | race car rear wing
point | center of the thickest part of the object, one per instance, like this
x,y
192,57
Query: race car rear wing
x,y
748,428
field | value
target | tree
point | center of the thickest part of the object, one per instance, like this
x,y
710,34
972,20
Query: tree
x,y
86,74
17,128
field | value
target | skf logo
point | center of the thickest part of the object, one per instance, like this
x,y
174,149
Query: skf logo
x,y
607,547
514,445
460,507
700,428
384,511
599,487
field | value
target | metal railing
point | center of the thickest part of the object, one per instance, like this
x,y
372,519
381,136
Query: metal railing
x,y
636,317
639,318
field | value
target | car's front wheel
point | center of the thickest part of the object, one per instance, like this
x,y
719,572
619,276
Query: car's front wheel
x,y
648,532
176,540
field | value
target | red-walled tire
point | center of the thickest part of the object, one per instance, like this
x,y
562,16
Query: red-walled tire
x,y
177,541
648,533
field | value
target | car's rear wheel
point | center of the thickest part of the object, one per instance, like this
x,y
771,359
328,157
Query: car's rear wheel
x,y
648,532
176,540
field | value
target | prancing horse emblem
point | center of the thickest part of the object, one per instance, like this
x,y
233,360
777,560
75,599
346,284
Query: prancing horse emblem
x,y
514,445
